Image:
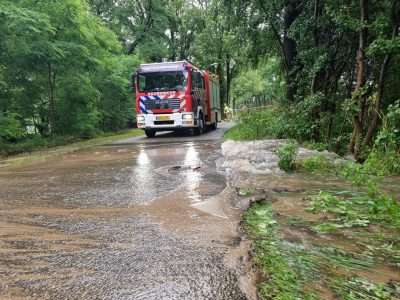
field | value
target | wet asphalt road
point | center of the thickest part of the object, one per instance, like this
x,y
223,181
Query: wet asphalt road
x,y
120,221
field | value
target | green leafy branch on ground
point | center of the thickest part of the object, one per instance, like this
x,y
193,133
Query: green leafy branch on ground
x,y
289,267
281,282
360,209
356,288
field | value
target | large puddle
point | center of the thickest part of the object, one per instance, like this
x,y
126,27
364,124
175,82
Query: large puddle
x,y
118,222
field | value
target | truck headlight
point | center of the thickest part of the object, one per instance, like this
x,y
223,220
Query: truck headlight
x,y
140,119
187,117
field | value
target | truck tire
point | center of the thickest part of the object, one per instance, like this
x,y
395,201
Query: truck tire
x,y
215,125
150,133
200,126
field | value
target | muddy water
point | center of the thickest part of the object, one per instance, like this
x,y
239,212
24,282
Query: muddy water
x,y
289,197
119,222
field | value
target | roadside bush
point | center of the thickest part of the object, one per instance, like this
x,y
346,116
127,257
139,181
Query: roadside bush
x,y
294,121
383,163
32,143
255,125
11,128
384,159
287,156
316,146
315,163
310,121
389,136
305,125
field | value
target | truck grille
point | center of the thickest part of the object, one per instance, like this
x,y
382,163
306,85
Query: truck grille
x,y
162,104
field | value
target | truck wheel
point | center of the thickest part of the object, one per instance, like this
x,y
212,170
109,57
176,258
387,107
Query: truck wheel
x,y
215,125
150,133
200,128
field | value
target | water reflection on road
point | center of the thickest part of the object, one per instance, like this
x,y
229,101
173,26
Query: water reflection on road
x,y
142,174
116,223
192,176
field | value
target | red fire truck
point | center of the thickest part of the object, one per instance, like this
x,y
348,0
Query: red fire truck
x,y
176,96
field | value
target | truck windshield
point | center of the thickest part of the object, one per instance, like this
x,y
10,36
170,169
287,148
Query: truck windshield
x,y
162,81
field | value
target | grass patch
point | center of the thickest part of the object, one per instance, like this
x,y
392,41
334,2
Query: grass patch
x,y
355,288
315,163
383,163
354,211
40,149
351,209
255,125
290,267
315,146
34,143
282,283
364,214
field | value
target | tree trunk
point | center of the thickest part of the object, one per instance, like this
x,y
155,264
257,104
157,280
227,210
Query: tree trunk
x,y
375,113
147,23
228,78
220,73
315,80
288,45
52,106
382,76
359,93
173,46
291,12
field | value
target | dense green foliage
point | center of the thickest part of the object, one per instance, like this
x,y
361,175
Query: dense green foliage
x,y
62,73
338,78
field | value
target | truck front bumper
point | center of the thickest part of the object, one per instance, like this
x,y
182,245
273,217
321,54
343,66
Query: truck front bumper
x,y
165,121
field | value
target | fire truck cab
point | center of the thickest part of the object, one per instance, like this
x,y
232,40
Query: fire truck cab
x,y
175,96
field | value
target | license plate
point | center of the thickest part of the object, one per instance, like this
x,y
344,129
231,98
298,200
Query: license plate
x,y
163,118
